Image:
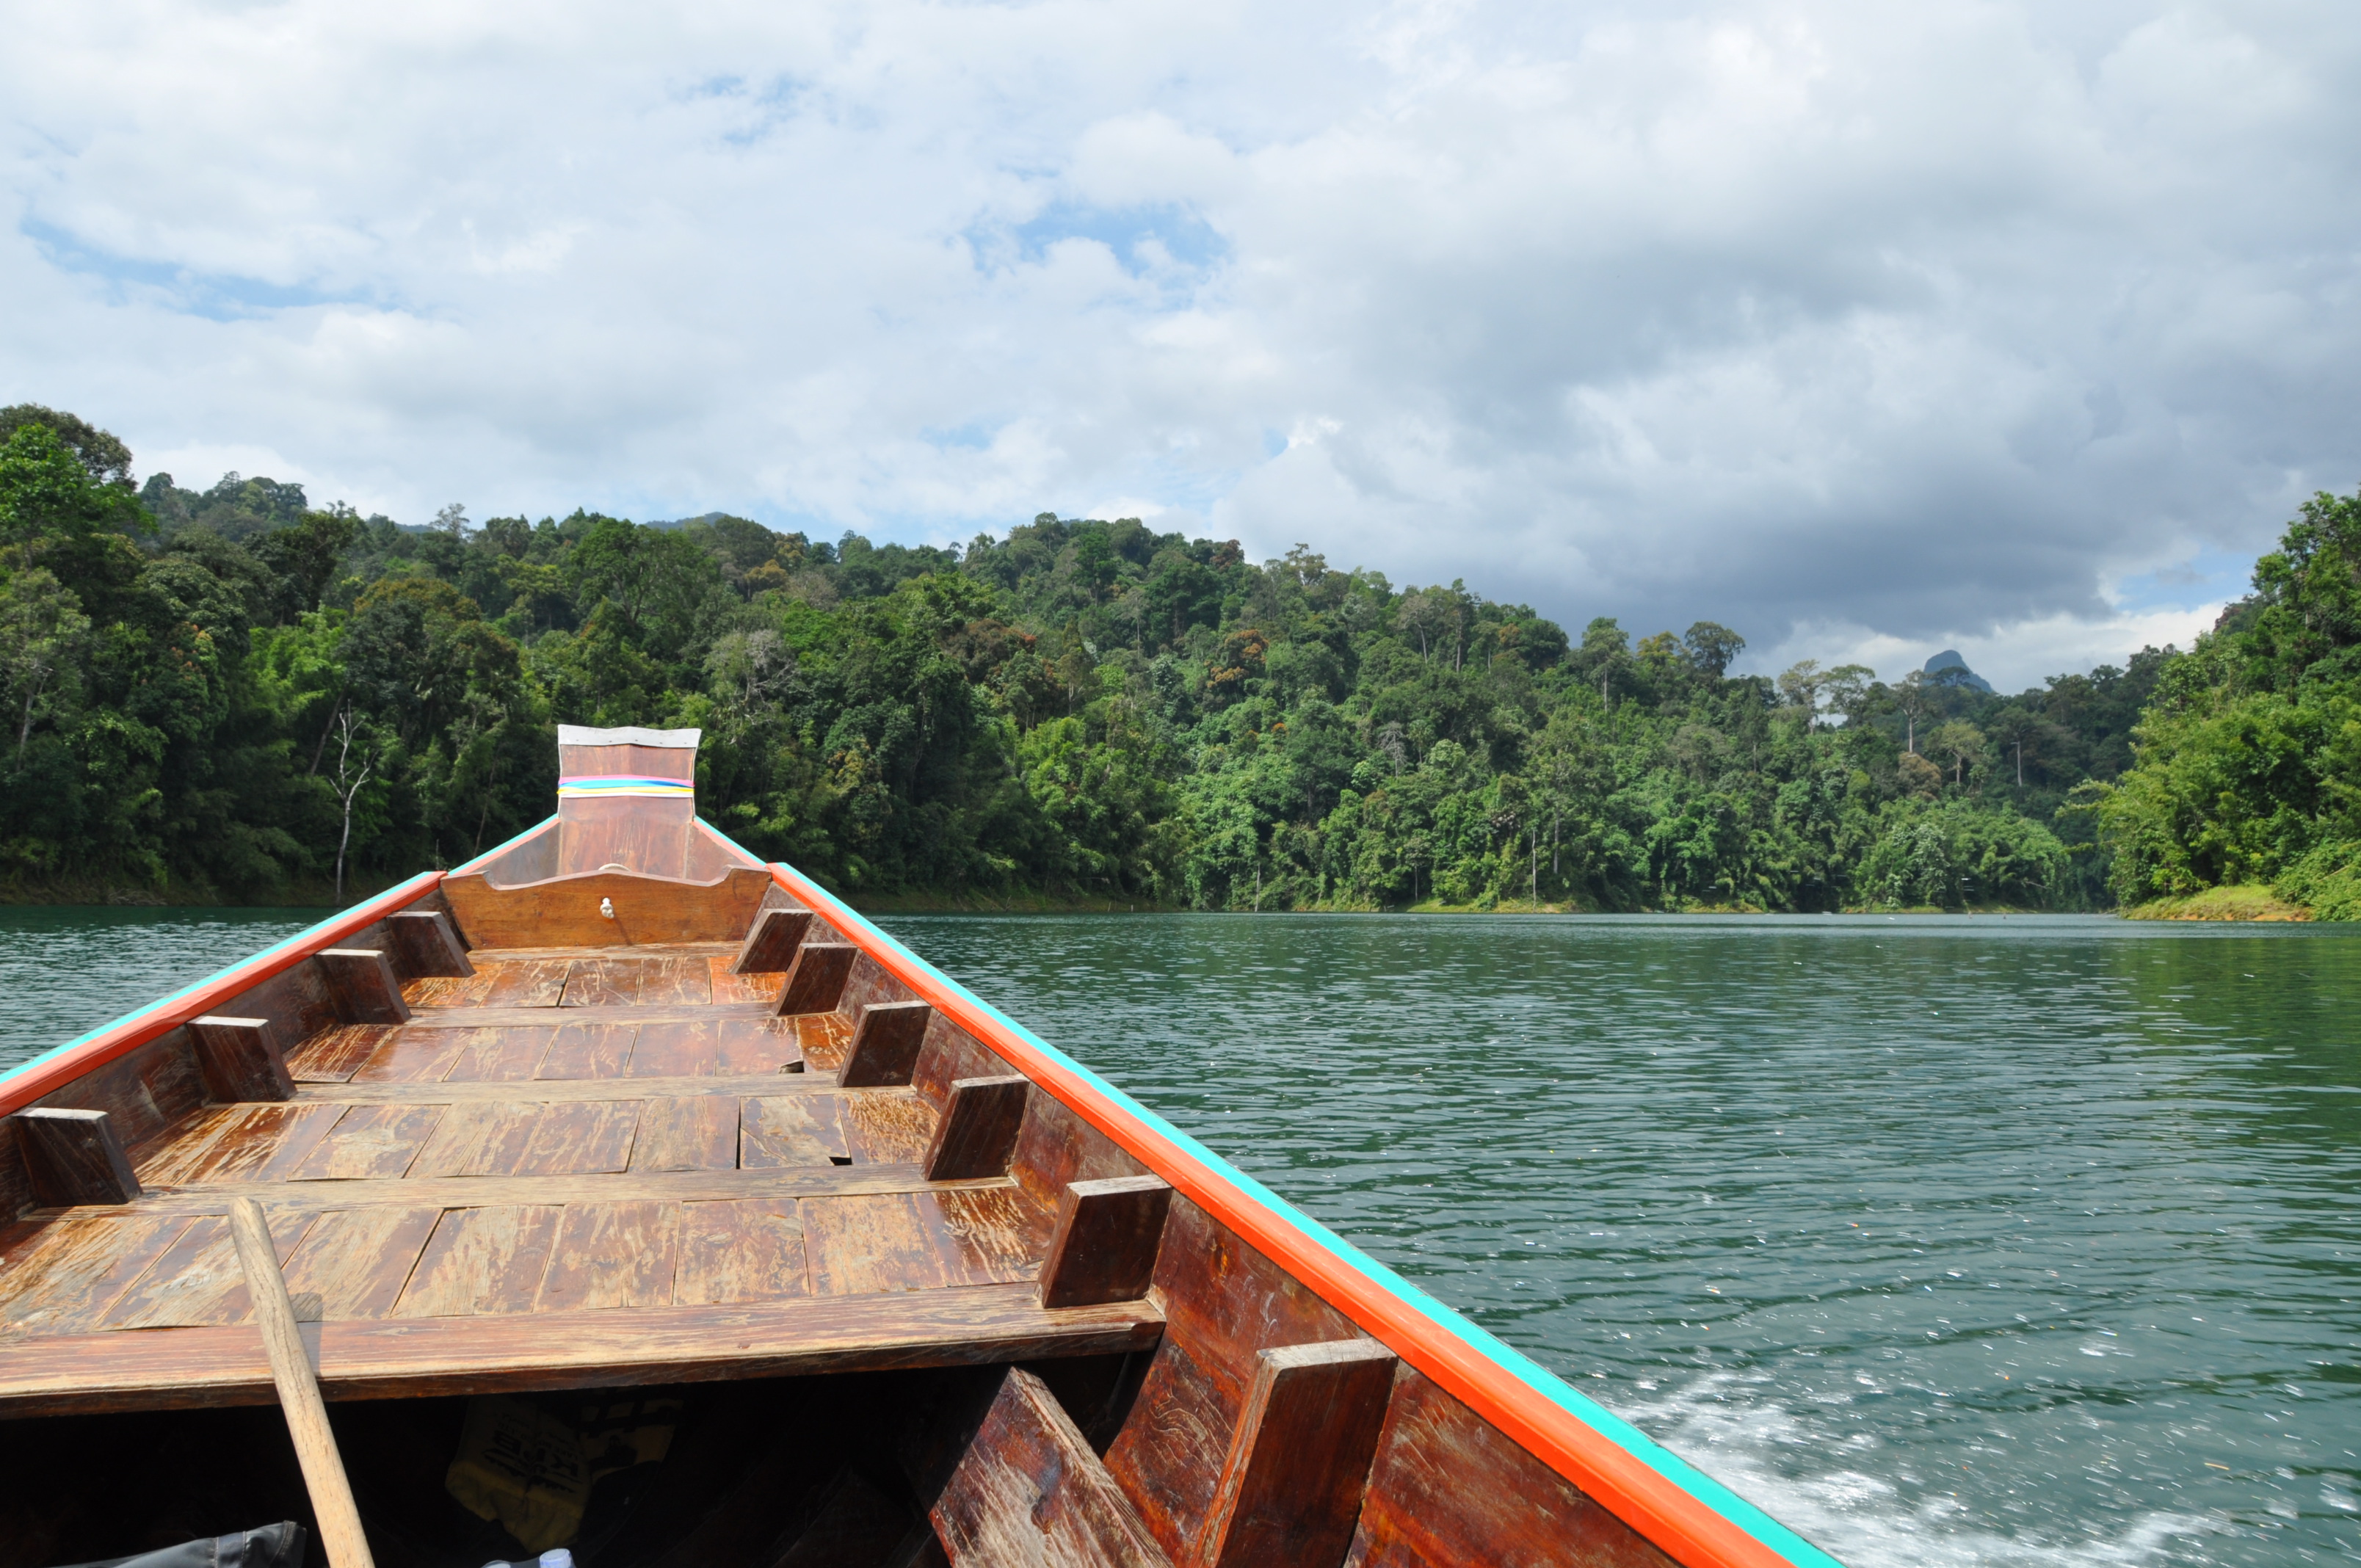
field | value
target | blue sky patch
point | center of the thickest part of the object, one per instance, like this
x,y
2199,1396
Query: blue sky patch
x,y
1185,238
215,296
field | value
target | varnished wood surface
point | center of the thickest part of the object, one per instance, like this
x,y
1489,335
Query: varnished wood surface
x,y
401,1358
562,1134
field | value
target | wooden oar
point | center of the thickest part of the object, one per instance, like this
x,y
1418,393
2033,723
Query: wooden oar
x,y
299,1391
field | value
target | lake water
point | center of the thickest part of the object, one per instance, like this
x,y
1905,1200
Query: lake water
x,y
1947,1240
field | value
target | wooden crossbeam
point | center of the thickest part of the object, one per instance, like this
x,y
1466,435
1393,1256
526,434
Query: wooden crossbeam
x,y
427,944
240,1059
816,983
770,947
74,1156
977,1131
885,1044
361,983
1029,1490
1107,1236
485,1191
1299,1460
399,1358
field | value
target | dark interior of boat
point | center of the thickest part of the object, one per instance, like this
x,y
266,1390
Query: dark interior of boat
x,y
824,1472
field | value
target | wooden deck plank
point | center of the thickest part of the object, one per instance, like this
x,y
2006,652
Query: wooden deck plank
x,y
525,982
715,1047
61,1276
480,1261
356,1260
369,1142
588,1051
585,1139
744,1250
486,1139
914,1240
668,981
675,1049
755,986
252,1142
461,1191
412,1357
549,1090
889,1126
449,990
827,1038
503,1055
788,1130
429,1019
415,1056
333,1056
687,1134
612,1254
646,949
197,1280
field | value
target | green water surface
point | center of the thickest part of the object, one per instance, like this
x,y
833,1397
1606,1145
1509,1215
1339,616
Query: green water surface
x,y
1947,1241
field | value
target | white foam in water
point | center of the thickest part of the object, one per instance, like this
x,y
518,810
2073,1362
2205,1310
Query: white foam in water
x,y
1725,1425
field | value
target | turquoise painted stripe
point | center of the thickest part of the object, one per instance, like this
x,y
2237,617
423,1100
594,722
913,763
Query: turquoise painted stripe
x,y
1631,1439
161,1004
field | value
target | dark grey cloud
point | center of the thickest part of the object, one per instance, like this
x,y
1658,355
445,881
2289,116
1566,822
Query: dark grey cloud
x,y
1867,329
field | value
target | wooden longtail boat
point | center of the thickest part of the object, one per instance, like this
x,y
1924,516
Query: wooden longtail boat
x,y
643,1196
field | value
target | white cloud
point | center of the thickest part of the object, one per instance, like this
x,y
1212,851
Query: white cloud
x,y
1850,326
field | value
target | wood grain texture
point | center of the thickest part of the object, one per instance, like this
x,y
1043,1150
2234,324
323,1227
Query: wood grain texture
x,y
638,982
776,1131
145,1092
771,941
952,1053
825,1037
1058,1146
1226,1302
423,943
407,1356
612,1254
1106,1244
431,1018
353,1263
556,1089
885,1044
887,1126
1447,1488
977,1131
741,1250
369,1141
196,1280
1030,1491
74,1156
240,1059
915,1241
415,1056
484,1139
816,983
61,1276
730,986
500,1056
564,912
362,984
447,991
732,1045
481,1261
528,982
333,1055
588,1051
1292,1483
581,1139
237,1142
699,1134
674,1186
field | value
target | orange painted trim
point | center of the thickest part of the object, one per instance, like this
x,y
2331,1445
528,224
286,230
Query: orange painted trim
x,y
46,1074
1685,1526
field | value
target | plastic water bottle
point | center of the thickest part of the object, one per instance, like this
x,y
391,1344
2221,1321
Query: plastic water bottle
x,y
557,1558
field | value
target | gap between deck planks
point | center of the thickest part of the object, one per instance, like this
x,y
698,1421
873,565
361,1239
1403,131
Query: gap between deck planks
x,y
184,1368
478,1191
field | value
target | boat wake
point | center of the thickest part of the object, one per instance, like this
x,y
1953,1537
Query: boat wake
x,y
1729,1426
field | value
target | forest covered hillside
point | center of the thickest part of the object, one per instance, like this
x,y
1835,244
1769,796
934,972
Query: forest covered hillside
x,y
224,693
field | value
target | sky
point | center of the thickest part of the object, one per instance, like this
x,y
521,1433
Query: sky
x,y
1867,330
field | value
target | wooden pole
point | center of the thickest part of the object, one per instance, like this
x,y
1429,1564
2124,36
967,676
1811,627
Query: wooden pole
x,y
299,1391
